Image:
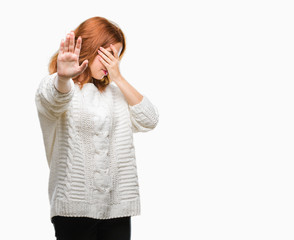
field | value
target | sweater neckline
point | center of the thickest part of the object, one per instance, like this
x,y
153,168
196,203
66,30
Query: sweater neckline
x,y
90,88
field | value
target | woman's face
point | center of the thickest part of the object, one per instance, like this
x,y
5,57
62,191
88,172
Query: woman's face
x,y
97,66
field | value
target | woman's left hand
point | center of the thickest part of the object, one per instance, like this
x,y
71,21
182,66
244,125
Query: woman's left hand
x,y
110,62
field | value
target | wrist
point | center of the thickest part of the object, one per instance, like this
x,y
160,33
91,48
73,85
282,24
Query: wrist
x,y
119,79
63,79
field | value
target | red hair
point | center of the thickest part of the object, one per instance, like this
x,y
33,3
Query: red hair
x,y
95,32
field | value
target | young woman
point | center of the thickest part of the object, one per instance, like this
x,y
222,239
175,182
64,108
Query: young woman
x,y
88,113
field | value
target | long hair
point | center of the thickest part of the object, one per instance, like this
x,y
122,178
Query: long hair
x,y
95,32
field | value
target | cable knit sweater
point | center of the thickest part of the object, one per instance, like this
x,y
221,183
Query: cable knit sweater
x,y
88,140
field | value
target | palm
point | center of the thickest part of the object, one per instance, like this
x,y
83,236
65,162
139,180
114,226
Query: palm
x,y
68,58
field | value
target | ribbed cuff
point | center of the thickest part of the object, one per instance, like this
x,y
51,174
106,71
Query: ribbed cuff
x,y
145,109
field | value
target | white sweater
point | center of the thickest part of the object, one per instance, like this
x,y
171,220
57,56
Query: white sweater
x,y
88,139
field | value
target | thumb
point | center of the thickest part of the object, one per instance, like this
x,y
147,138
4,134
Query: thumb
x,y
83,66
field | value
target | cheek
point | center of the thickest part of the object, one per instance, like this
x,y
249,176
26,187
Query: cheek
x,y
96,64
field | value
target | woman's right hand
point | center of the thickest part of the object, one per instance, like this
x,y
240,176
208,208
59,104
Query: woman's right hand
x,y
68,58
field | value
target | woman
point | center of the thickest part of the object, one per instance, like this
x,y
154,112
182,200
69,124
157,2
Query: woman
x,y
87,123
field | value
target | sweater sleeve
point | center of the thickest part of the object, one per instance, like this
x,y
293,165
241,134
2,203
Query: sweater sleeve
x,y
144,115
49,101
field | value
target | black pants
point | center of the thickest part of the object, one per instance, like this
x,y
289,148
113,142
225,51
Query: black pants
x,y
84,228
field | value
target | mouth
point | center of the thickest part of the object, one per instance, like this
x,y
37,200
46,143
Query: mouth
x,y
105,71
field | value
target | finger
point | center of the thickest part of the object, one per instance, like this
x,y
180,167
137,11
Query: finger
x,y
114,51
83,66
61,47
78,46
104,62
71,41
103,56
108,54
66,43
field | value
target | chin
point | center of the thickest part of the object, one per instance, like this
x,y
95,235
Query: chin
x,y
98,77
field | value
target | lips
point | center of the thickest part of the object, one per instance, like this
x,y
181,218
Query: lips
x,y
105,71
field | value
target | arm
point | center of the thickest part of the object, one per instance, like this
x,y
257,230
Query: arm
x,y
63,85
49,99
143,114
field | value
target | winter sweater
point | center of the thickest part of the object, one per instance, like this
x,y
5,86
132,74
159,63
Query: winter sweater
x,y
88,140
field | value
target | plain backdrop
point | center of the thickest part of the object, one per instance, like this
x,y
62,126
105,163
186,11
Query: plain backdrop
x,y
219,164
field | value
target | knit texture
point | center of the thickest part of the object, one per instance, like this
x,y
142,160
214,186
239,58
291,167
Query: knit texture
x,y
88,140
